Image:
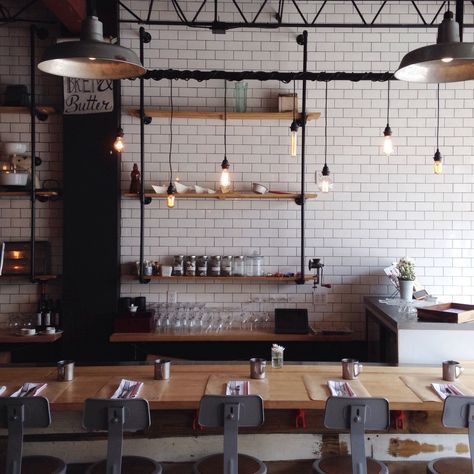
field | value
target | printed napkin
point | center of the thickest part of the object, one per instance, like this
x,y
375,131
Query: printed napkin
x,y
340,389
237,387
127,389
445,389
29,390
2,389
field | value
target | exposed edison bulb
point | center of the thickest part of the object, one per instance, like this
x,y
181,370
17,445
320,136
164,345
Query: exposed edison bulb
x,y
119,144
293,138
446,60
387,141
225,183
170,201
437,163
324,180
92,59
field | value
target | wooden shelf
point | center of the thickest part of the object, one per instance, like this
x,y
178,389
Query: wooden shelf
x,y
234,195
223,279
7,337
26,194
26,110
38,277
233,335
196,115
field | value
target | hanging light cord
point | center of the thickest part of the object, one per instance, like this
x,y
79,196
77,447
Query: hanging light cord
x,y
294,100
171,130
437,124
225,119
326,125
388,102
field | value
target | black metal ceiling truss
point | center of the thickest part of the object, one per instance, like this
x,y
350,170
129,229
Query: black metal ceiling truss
x,y
283,12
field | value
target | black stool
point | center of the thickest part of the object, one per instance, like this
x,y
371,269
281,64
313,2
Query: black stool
x,y
17,414
117,416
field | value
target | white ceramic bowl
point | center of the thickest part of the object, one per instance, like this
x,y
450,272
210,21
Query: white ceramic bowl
x,y
211,191
200,189
159,189
13,179
180,188
12,148
259,188
166,270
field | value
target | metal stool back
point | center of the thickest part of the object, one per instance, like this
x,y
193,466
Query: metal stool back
x,y
17,414
231,412
357,415
115,416
458,412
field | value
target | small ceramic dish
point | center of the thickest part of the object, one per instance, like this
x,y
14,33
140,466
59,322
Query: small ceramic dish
x,y
200,189
259,188
210,191
180,188
159,189
12,148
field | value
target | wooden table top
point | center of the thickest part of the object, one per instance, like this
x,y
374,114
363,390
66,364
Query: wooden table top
x,y
283,388
7,337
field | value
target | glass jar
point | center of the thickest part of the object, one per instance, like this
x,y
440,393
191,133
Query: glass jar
x,y
214,268
226,266
249,265
190,265
201,267
148,268
257,265
238,266
178,265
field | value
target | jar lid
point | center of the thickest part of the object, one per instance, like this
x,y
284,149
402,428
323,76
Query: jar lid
x,y
217,257
203,256
239,256
179,256
191,256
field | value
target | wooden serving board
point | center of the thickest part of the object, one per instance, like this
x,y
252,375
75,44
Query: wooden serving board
x,y
447,313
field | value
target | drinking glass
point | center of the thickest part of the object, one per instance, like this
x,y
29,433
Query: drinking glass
x,y
240,95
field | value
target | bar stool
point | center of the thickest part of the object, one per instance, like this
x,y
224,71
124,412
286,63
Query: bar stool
x,y
230,412
26,412
356,415
116,416
458,412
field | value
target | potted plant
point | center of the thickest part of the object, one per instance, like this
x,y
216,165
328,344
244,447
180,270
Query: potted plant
x,y
406,277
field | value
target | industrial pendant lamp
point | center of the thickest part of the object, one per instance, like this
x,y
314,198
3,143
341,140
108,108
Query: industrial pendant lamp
x,y
323,178
171,189
91,57
387,133
449,60
294,126
225,183
119,143
437,158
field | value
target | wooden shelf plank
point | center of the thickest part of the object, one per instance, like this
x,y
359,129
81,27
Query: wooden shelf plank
x,y
38,277
210,115
233,335
235,195
222,279
26,110
7,337
26,194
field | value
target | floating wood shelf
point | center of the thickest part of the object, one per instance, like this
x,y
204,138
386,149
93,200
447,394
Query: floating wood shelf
x,y
38,277
26,194
7,337
232,335
222,279
26,110
190,114
235,195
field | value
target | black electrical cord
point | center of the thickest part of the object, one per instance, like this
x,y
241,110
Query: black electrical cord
x,y
388,102
437,121
326,127
294,101
171,132
225,120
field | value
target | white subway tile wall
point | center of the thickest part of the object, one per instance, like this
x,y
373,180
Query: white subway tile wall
x,y
381,208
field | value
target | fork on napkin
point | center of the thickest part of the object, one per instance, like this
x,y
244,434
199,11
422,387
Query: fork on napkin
x,y
127,389
29,389
340,389
443,390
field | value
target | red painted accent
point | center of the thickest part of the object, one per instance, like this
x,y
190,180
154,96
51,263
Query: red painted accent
x,y
300,420
398,419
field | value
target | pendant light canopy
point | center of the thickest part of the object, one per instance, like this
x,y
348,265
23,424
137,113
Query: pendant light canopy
x,y
449,60
91,57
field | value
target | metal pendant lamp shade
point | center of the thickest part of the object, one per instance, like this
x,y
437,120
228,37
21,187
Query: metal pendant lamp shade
x,y
449,60
91,57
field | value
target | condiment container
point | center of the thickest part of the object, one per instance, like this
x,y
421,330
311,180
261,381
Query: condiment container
x,y
178,265
214,268
226,265
201,266
238,265
191,265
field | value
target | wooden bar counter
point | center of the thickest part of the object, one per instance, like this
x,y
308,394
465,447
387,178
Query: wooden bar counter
x,y
285,388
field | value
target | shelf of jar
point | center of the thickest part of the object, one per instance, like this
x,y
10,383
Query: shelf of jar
x,y
4,109
27,194
233,195
219,115
226,279
40,278
264,335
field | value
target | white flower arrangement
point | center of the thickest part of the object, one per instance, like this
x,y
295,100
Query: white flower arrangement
x,y
277,348
406,269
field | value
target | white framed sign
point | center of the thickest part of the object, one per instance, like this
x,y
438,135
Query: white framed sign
x,y
88,96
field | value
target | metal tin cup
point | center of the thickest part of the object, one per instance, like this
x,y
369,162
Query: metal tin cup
x,y
452,369
162,369
257,368
351,368
65,370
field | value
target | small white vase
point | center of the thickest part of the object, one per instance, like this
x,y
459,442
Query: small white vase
x,y
406,289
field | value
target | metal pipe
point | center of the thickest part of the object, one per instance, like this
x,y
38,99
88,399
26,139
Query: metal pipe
x,y
460,16
33,151
142,158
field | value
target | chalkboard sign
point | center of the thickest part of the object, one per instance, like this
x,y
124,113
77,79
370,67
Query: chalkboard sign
x,y
88,96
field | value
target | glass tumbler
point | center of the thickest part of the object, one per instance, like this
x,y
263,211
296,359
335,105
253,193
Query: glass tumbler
x,y
240,95
277,358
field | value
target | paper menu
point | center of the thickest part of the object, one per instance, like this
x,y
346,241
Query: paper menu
x,y
443,390
127,389
340,389
237,387
29,389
